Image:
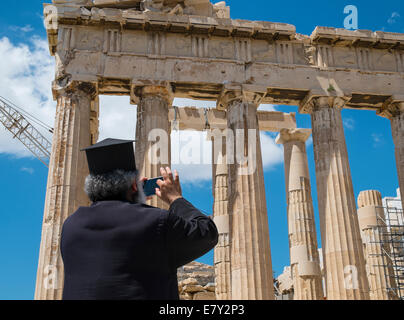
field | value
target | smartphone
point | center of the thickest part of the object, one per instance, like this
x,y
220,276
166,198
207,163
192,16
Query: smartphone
x,y
150,186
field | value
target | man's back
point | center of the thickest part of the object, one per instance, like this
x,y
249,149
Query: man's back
x,y
120,250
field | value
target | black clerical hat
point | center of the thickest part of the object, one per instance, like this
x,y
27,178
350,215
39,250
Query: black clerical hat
x,y
109,155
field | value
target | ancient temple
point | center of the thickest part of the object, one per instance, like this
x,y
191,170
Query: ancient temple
x,y
155,50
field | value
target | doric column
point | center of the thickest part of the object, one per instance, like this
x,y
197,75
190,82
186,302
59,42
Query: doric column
x,y
394,110
251,267
222,219
65,189
342,245
304,258
379,268
153,142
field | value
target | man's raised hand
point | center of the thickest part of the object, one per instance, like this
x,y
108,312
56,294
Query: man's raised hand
x,y
170,187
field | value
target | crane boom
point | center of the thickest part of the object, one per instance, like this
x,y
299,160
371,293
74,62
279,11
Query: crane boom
x,y
20,128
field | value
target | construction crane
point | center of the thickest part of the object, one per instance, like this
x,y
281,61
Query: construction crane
x,y
15,120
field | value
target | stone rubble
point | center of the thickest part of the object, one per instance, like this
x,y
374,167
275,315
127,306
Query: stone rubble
x,y
196,281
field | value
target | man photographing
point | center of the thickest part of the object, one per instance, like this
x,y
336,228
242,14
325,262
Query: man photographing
x,y
121,248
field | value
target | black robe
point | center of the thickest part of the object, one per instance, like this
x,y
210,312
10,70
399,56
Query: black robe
x,y
120,250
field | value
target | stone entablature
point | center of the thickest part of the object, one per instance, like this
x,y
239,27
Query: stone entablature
x,y
198,55
200,119
174,7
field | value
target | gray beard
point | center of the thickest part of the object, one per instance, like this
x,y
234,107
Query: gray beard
x,y
139,196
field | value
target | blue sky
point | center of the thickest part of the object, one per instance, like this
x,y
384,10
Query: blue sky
x,y
25,74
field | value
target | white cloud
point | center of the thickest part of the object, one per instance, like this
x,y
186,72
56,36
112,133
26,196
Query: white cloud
x,y
267,107
25,29
395,16
117,118
349,123
272,153
28,170
192,155
377,139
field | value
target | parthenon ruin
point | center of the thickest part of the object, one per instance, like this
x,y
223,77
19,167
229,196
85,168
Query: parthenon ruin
x,y
155,51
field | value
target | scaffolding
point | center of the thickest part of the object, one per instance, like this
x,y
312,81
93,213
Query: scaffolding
x,y
391,231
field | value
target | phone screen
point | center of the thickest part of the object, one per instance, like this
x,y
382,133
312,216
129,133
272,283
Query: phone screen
x,y
150,186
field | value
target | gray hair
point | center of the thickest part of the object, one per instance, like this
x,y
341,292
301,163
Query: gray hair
x,y
113,185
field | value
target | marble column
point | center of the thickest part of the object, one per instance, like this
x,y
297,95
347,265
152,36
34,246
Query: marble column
x,y
94,120
379,268
304,257
395,113
344,261
251,266
65,189
153,130
222,220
